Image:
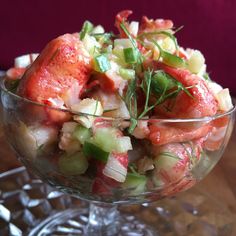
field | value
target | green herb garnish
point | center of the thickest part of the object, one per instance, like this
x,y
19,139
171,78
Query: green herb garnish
x,y
170,59
169,154
178,29
134,44
146,87
87,28
131,102
130,55
171,36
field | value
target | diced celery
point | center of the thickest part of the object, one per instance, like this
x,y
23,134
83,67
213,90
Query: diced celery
x,y
88,106
74,164
101,63
81,133
118,52
196,61
224,100
25,60
93,151
133,28
106,139
130,55
124,43
91,45
135,182
168,45
68,127
123,144
166,161
98,30
127,74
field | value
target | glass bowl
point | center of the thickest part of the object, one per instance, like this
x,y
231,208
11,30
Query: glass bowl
x,y
165,156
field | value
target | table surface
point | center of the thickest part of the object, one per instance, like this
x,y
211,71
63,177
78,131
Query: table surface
x,y
220,183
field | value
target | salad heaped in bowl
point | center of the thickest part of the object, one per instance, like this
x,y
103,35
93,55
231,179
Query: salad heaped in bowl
x,y
117,116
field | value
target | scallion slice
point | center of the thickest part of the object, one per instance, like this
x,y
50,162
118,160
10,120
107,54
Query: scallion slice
x,y
172,60
130,55
87,28
161,82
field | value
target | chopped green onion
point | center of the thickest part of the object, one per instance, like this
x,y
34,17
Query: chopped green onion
x,y
93,151
172,60
101,63
87,28
134,44
81,133
122,43
161,82
127,74
74,164
130,55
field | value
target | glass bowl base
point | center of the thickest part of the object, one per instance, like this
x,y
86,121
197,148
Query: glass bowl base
x,y
73,222
30,207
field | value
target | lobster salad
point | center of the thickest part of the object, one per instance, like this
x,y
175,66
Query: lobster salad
x,y
108,100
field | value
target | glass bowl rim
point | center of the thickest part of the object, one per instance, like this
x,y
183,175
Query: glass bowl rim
x,y
154,119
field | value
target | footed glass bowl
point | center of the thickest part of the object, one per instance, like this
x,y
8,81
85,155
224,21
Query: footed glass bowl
x,y
107,165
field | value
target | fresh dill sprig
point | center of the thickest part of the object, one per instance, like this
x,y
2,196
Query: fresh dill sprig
x,y
131,96
146,87
148,83
168,34
178,29
133,42
131,102
169,154
168,58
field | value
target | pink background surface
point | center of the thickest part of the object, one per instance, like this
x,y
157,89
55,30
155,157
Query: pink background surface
x,y
209,25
